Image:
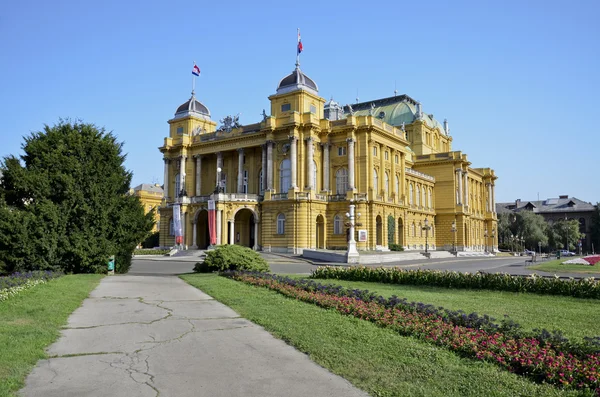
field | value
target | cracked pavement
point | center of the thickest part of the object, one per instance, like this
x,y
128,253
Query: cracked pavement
x,y
158,336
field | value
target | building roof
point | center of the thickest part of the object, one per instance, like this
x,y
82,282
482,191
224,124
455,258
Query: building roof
x,y
295,81
148,187
192,107
552,205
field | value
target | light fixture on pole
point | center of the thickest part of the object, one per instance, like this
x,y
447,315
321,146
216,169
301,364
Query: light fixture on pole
x,y
453,228
485,235
218,189
426,228
352,253
493,238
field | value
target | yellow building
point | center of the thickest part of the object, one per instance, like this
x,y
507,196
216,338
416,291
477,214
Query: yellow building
x,y
286,183
150,196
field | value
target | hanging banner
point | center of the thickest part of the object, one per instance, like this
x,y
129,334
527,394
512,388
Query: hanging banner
x,y
212,222
177,224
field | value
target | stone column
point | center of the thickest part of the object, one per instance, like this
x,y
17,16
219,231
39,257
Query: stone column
x,y
350,163
311,164
263,187
403,176
166,179
269,165
393,176
460,189
489,198
293,160
240,181
219,226
219,165
231,232
194,234
183,229
382,172
198,175
466,183
493,190
325,147
255,236
183,158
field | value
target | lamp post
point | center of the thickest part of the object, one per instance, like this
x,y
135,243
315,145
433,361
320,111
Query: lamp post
x,y
512,241
218,189
426,228
522,246
493,238
453,228
485,240
567,226
352,253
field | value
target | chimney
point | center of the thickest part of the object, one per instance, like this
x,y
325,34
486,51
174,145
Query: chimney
x,y
517,202
564,196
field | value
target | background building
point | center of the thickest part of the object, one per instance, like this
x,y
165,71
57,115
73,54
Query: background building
x,y
285,183
151,198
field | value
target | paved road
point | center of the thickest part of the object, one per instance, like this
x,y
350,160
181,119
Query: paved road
x,y
149,336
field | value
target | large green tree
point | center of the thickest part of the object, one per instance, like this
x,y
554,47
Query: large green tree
x,y
64,203
527,225
564,234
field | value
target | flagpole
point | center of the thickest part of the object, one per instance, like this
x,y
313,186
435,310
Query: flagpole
x,y
193,81
297,51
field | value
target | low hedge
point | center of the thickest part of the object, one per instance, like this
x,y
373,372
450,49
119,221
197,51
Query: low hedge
x,y
143,251
232,257
579,288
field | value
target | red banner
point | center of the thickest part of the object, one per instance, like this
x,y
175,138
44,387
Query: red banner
x,y
212,223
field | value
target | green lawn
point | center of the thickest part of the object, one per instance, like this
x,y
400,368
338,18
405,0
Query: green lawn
x,y
31,321
575,317
556,266
377,360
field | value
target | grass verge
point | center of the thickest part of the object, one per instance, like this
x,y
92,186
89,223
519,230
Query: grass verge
x,y
377,360
576,317
31,321
557,266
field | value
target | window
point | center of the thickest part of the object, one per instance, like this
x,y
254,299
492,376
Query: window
x,y
285,176
386,155
260,182
420,230
386,186
245,185
179,130
314,176
171,227
375,151
177,186
342,151
424,197
396,159
410,194
341,181
430,202
418,196
397,186
313,109
281,224
375,180
338,225
286,107
223,182
414,230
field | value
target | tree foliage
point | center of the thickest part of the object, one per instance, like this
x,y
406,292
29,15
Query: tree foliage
x,y
524,224
564,234
64,203
595,228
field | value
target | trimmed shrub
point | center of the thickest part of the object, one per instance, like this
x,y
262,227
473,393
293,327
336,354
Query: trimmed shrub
x,y
151,241
143,251
396,247
232,257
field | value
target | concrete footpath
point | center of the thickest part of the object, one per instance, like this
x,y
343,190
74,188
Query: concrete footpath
x,y
151,336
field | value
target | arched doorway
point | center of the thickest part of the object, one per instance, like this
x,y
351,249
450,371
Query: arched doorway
x,y
244,230
379,230
320,242
400,232
202,235
391,230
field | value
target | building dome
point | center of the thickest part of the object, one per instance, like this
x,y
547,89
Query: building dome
x,y
295,81
192,107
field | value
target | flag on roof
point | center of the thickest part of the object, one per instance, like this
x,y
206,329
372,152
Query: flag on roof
x,y
196,70
299,43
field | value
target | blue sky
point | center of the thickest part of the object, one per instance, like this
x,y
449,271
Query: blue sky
x,y
518,81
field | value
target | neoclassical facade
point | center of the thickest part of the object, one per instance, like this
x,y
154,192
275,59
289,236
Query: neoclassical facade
x,y
285,183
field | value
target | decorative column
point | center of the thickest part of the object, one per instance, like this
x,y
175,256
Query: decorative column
x,y
240,181
350,163
325,147
393,176
293,160
198,176
352,255
263,187
403,176
311,164
382,171
194,234
489,200
183,228
219,165
269,165
466,183
231,232
219,226
183,158
166,179
255,236
460,190
493,197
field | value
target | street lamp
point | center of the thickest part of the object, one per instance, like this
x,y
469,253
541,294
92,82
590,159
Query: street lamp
x,y
567,226
426,228
352,254
512,243
218,189
453,236
485,235
493,238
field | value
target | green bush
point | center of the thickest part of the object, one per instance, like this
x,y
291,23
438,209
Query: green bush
x,y
150,252
396,247
582,288
232,257
152,241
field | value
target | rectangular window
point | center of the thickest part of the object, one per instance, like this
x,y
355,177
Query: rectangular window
x,y
313,109
374,150
386,155
245,185
286,107
179,130
396,159
342,151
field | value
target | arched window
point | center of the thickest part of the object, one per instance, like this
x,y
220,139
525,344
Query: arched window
x,y
397,190
418,196
171,227
424,201
414,230
281,224
420,230
177,186
260,182
430,202
375,181
314,176
285,176
338,225
410,194
341,181
386,184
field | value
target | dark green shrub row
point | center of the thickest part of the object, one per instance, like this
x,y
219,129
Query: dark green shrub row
x,y
582,288
232,257
396,247
144,251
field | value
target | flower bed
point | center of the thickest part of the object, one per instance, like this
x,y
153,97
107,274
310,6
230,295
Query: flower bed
x,y
580,288
587,260
533,357
18,282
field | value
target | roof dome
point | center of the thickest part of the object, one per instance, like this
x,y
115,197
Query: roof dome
x,y
295,81
192,107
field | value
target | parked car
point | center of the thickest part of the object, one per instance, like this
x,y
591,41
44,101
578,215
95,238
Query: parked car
x,y
529,252
566,253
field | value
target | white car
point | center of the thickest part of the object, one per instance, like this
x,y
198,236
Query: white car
x,y
566,253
